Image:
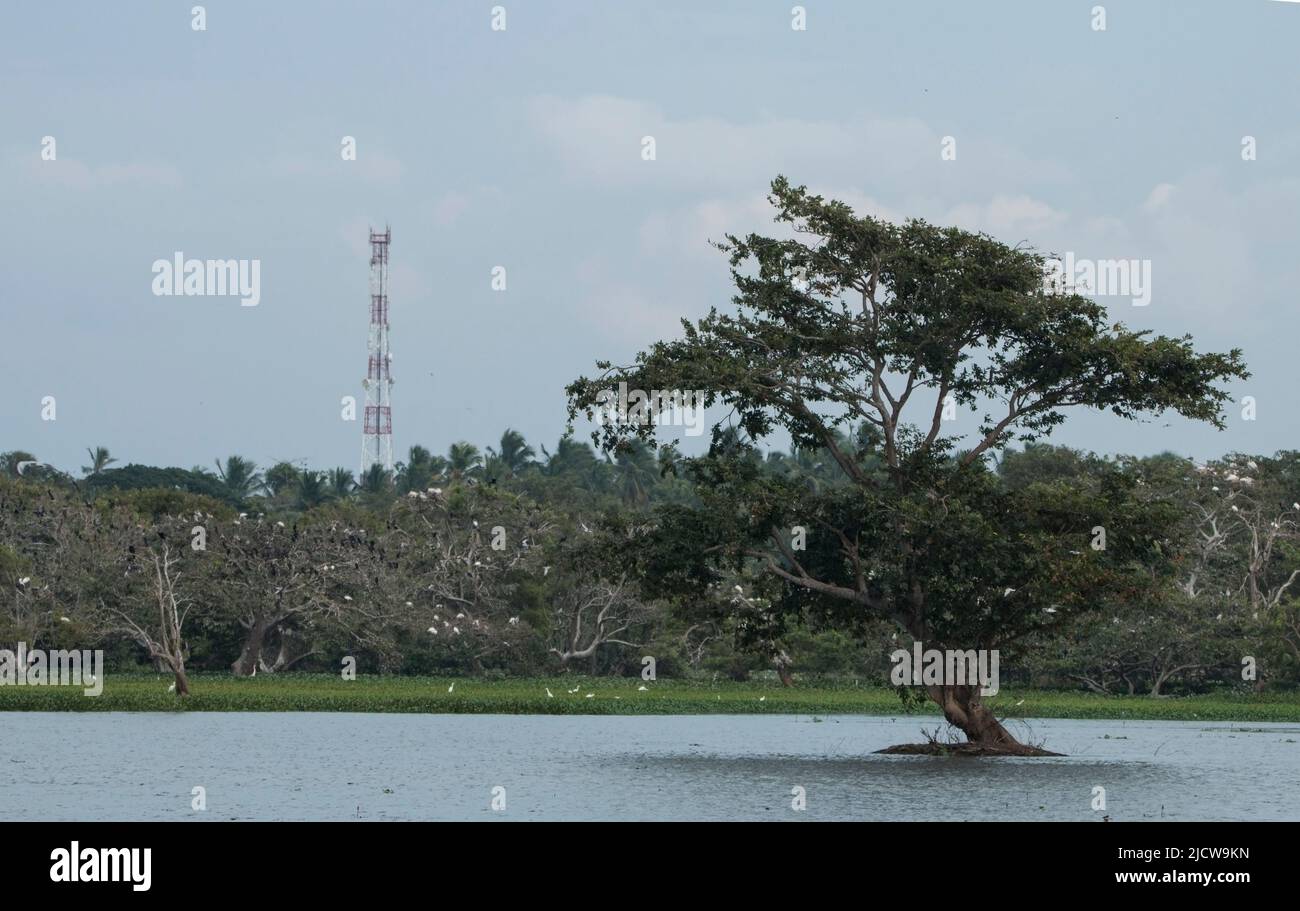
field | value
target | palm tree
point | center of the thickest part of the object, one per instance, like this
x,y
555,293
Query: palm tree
x,y
570,457
99,460
635,470
809,465
778,462
313,489
438,469
280,477
239,476
494,468
515,453
341,483
463,458
576,462
375,481
818,469
418,472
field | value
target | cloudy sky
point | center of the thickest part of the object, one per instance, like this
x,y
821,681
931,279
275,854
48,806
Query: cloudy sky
x,y
522,148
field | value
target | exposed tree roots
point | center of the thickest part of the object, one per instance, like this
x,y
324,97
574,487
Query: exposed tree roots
x,y
967,749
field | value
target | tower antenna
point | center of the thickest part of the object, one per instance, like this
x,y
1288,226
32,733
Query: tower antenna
x,y
377,434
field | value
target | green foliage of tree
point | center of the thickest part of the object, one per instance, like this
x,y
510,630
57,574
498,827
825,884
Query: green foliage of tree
x,y
856,321
280,479
147,478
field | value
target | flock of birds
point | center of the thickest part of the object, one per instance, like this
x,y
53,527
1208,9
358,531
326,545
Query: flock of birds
x,y
550,695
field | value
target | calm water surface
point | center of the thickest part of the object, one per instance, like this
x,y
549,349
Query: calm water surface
x,y
330,766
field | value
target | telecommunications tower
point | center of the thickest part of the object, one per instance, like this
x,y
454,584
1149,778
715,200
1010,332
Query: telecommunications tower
x,y
377,434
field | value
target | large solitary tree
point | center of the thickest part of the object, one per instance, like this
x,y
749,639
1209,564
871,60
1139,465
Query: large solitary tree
x,y
854,337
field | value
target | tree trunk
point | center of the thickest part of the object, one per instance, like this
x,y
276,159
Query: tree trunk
x,y
964,710
251,654
782,662
288,655
182,682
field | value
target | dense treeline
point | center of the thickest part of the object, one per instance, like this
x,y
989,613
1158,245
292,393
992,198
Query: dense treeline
x,y
510,561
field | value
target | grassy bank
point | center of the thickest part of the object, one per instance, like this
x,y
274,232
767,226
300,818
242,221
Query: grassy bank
x,y
608,696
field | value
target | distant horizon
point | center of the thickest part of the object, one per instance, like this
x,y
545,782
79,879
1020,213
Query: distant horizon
x,y
302,464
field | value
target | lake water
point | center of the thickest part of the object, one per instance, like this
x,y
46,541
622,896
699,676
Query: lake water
x,y
330,766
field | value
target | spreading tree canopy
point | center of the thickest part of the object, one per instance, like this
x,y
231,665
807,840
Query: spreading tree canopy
x,y
851,337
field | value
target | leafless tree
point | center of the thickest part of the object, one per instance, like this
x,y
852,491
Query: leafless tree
x,y
161,633
596,614
696,639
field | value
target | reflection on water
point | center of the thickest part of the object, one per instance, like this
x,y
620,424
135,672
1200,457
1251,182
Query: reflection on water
x,y
347,766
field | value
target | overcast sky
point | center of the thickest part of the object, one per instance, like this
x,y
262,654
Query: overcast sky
x,y
522,148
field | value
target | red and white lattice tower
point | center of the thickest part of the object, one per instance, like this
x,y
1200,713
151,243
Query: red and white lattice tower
x,y
377,434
